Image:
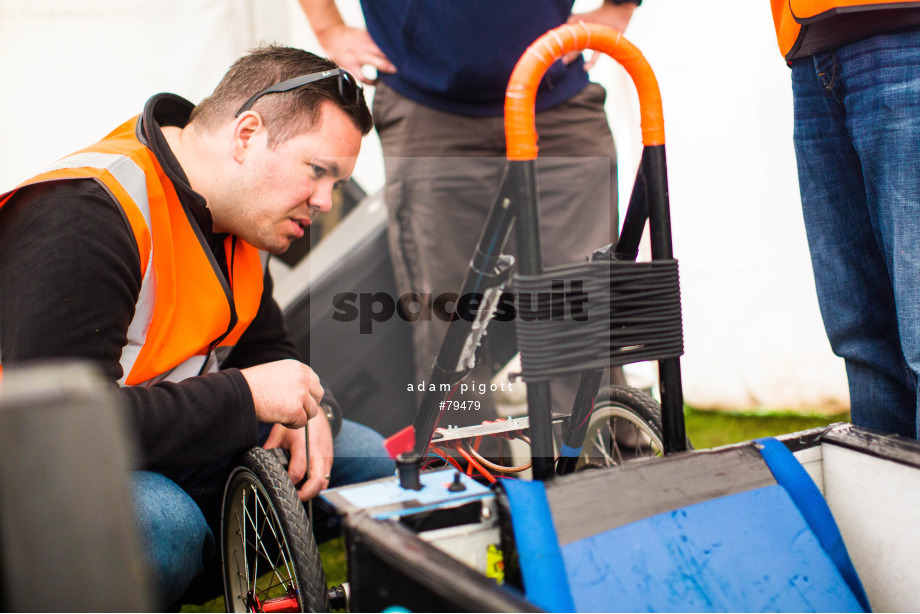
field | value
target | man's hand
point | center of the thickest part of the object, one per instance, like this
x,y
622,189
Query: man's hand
x,y
294,441
350,48
320,457
353,49
615,16
285,392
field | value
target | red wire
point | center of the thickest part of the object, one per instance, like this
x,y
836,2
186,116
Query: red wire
x,y
589,413
482,470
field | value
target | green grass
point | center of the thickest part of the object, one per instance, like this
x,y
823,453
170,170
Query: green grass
x,y
333,555
710,429
706,429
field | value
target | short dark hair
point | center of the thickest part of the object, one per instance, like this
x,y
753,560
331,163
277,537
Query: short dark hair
x,y
285,114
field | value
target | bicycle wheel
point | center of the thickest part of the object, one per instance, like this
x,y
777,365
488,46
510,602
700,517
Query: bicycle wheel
x,y
270,559
625,425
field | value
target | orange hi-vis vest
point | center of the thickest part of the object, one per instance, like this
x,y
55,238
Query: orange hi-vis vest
x,y
186,312
790,15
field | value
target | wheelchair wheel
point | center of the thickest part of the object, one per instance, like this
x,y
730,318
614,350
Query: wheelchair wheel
x,y
625,425
270,558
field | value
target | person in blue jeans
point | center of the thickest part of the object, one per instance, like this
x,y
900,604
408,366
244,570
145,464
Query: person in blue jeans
x,y
856,95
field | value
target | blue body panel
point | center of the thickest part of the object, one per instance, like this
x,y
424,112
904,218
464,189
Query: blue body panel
x,y
749,552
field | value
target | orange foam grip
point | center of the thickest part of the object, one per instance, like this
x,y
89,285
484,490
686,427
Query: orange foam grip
x,y
521,95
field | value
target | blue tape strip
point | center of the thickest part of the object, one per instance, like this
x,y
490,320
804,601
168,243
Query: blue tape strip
x,y
570,452
542,567
793,477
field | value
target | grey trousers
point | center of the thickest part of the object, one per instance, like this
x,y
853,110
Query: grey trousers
x,y
442,176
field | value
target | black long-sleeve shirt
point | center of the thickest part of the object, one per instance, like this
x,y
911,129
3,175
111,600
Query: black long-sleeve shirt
x,y
69,281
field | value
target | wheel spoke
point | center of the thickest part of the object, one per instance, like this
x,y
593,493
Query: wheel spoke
x,y
252,520
614,444
639,446
243,578
281,552
239,577
602,448
258,537
261,551
272,584
280,556
243,527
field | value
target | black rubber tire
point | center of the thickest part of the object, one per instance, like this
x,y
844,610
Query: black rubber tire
x,y
625,425
288,548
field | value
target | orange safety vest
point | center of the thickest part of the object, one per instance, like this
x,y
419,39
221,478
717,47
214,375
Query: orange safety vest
x,y
184,309
790,15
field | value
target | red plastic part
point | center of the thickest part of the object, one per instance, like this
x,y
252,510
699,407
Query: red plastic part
x,y
288,603
400,442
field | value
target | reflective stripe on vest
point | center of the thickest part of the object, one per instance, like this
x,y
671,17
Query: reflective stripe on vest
x,y
790,15
132,179
185,308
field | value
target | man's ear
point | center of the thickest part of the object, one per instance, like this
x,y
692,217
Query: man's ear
x,y
247,126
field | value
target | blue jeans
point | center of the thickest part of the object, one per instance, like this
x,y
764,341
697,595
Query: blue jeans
x,y
857,143
175,539
178,516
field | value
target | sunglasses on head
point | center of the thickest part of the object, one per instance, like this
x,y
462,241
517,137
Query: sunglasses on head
x,y
349,90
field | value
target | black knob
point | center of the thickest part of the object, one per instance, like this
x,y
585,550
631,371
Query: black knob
x,y
456,485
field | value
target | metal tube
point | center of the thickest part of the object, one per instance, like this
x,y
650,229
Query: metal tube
x,y
627,247
481,272
672,406
653,158
523,185
672,397
577,424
